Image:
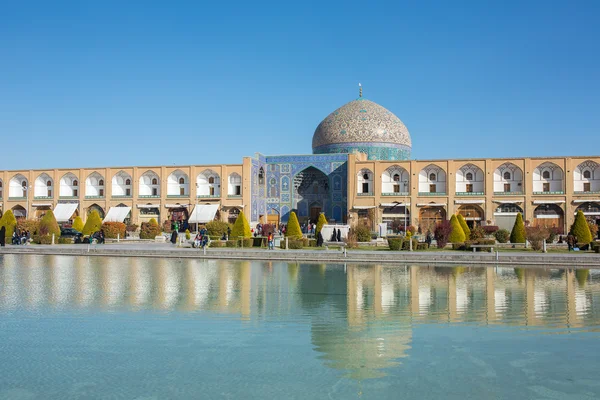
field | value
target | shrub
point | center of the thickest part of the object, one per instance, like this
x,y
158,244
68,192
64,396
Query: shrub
x,y
457,235
593,229
131,228
502,235
150,230
267,229
363,233
28,225
406,244
258,241
188,236
352,240
78,223
246,242
552,234
411,229
422,246
477,233
518,231
216,243
43,239
293,230
581,229
458,246
49,226
231,243
112,229
395,243
64,240
92,224
217,228
491,229
536,236
166,226
320,222
241,227
295,244
464,226
488,242
9,221
442,233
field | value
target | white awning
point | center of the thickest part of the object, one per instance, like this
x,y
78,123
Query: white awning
x,y
117,214
203,213
64,211
508,201
176,205
394,204
362,207
431,204
235,206
587,201
41,205
548,201
593,213
469,201
148,206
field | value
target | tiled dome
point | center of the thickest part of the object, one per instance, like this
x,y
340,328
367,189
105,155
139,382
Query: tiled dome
x,y
366,127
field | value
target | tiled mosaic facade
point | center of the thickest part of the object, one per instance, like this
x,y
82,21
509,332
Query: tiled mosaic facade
x,y
366,127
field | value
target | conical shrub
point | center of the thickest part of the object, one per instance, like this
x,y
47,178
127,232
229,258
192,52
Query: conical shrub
x,y
241,227
49,226
518,231
464,226
78,223
457,235
93,223
8,221
293,230
581,230
320,222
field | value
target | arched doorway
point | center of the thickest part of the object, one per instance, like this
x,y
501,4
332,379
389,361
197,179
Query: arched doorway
x,y
97,208
549,216
179,215
506,214
591,210
472,213
310,194
19,212
396,216
430,216
232,215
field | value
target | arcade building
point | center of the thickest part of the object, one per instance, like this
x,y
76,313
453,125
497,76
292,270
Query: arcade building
x,y
360,171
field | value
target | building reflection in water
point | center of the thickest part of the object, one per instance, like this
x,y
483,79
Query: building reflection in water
x,y
362,317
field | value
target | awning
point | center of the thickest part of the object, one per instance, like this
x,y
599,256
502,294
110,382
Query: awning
x,y
431,204
41,205
470,201
394,204
548,201
592,213
117,214
64,211
19,213
362,207
148,206
508,201
176,205
587,201
235,206
203,213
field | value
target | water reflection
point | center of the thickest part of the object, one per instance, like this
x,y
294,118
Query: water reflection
x,y
362,317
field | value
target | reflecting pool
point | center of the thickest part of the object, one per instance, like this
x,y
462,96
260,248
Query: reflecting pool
x,y
143,328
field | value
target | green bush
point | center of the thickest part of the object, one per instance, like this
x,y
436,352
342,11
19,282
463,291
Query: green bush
x,y
188,235
216,243
395,243
476,233
518,231
406,244
78,224
282,244
150,230
217,228
502,235
92,224
28,225
231,243
464,226
259,241
247,242
312,243
458,246
536,235
295,244
48,225
9,221
112,229
422,246
581,230
457,235
43,239
293,230
64,240
320,222
241,227
363,233
488,242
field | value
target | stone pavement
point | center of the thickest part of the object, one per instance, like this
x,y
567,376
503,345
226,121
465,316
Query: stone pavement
x,y
449,257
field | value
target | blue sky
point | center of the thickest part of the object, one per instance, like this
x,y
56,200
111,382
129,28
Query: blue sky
x,y
117,83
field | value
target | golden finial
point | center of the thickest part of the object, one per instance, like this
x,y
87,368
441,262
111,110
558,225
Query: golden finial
x,y
359,90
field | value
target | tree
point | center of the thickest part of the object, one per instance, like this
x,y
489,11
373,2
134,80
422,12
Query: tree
x,y
78,224
581,230
49,226
293,230
320,222
442,233
93,223
464,226
457,235
241,227
8,221
518,231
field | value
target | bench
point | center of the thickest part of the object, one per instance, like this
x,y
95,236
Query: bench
x,y
341,245
482,246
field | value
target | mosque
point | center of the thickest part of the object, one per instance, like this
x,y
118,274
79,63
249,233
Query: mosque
x,y
360,171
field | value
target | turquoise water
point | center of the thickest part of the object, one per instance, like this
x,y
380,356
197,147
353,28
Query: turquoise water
x,y
142,328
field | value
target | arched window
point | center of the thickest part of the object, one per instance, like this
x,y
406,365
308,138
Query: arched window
x,y
181,181
469,176
149,184
432,177
75,183
546,174
507,175
261,176
587,174
24,184
128,181
211,179
366,176
154,181
48,183
365,181
101,182
396,177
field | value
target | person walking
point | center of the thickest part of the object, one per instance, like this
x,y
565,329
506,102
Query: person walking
x,y
271,244
2,236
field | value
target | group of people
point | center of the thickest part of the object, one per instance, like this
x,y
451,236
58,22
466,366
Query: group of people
x,y
572,241
201,239
21,237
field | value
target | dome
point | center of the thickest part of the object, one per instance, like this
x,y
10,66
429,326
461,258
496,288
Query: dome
x,y
366,127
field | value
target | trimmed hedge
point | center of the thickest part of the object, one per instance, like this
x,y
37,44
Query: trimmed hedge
x,y
395,243
518,231
216,243
217,228
464,226
9,221
320,222
406,244
43,239
457,235
293,230
64,240
581,230
112,229
363,233
78,224
28,225
296,244
488,242
241,228
92,224
490,229
150,230
502,235
48,225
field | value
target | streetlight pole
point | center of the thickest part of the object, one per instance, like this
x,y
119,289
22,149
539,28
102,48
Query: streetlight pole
x,y
405,197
